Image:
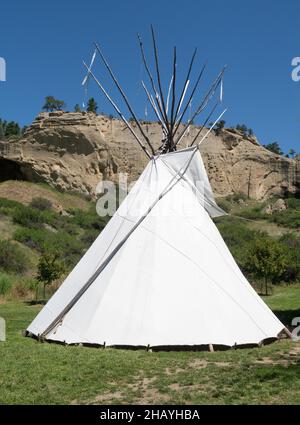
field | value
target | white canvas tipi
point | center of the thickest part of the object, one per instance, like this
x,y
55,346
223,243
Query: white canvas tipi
x,y
160,273
169,281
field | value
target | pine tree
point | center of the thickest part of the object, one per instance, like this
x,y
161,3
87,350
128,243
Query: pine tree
x,y
52,104
92,105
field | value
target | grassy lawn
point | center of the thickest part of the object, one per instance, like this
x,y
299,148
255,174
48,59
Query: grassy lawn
x,y
35,373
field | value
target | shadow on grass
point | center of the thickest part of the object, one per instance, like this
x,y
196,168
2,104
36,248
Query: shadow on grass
x,y
287,316
36,302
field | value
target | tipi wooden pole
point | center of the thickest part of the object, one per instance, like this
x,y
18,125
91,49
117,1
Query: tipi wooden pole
x,y
158,78
185,85
189,99
118,111
158,100
124,97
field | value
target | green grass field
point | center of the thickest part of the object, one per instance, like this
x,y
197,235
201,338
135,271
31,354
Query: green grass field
x,y
36,373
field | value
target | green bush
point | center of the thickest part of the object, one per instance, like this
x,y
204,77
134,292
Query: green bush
x,y
293,203
26,216
253,213
236,235
89,219
33,238
7,206
6,283
41,204
89,237
288,218
32,217
69,247
236,197
12,257
224,204
291,247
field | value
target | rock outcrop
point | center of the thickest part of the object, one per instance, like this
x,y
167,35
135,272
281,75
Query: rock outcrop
x,y
75,151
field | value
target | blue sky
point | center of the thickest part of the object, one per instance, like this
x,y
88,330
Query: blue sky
x,y
44,43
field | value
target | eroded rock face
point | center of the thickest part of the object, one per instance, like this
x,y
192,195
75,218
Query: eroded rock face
x,y
75,151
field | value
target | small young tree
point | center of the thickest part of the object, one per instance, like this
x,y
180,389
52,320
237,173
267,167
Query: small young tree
x,y
92,105
49,269
266,260
52,104
77,108
219,126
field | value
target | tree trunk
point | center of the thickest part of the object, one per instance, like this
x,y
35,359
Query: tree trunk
x,y
44,291
266,285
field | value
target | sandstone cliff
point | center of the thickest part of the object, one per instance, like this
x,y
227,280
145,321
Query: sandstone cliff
x,y
74,151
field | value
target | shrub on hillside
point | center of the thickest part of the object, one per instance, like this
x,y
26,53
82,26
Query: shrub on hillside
x,y
69,247
89,219
290,243
293,203
31,217
253,213
89,237
236,197
224,204
33,238
288,218
236,235
6,283
26,216
41,204
7,206
12,257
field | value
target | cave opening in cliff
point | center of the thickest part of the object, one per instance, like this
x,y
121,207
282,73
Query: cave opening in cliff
x,y
11,170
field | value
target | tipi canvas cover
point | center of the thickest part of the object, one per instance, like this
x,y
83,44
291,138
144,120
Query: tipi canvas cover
x,y
160,273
